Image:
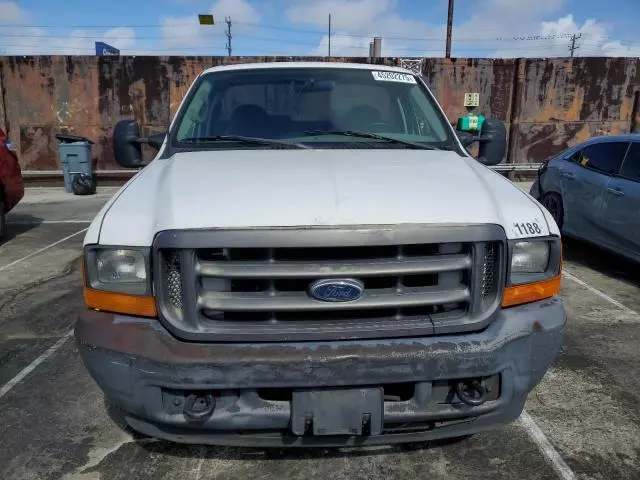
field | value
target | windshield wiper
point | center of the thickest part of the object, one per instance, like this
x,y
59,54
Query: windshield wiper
x,y
242,139
374,136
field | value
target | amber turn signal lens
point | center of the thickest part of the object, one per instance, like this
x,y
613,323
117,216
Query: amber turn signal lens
x,y
530,292
120,303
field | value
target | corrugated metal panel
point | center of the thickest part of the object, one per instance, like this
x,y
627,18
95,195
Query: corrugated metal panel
x,y
547,104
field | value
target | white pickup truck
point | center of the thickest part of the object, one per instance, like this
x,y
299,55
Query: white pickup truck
x,y
313,258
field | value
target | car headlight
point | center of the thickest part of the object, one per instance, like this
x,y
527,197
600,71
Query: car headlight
x,y
116,269
534,270
118,280
120,266
534,259
530,257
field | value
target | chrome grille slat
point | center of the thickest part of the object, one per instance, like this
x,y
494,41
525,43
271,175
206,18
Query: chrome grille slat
x,y
294,301
366,268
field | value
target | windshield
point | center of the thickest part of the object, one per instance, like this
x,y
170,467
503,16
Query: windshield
x,y
314,107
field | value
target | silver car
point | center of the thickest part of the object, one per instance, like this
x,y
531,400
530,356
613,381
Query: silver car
x,y
593,192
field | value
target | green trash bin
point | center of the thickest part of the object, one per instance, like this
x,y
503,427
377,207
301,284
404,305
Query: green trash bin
x,y
74,153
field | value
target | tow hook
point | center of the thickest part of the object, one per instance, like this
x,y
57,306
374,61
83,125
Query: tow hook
x,y
199,406
471,393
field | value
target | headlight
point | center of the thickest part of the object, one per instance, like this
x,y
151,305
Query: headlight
x,y
534,270
534,259
530,257
124,270
120,266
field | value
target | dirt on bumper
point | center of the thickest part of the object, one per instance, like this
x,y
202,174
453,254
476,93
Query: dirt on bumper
x,y
138,363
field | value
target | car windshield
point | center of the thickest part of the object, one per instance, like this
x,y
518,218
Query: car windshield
x,y
312,107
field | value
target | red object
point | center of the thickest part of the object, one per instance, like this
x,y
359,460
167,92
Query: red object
x,y
11,184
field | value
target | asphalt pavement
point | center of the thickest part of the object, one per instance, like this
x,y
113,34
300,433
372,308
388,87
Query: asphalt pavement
x,y
582,421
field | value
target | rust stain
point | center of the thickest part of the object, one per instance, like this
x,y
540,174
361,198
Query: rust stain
x,y
581,135
553,103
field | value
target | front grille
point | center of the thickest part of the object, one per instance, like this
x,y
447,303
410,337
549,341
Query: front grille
x,y
238,293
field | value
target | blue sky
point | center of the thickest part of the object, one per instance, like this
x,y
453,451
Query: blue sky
x,y
299,27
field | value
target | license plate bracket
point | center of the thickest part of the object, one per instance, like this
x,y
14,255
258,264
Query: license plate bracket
x,y
337,411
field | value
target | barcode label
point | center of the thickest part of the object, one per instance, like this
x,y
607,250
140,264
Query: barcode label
x,y
394,77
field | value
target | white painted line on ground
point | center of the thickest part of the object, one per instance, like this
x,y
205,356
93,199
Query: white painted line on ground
x,y
32,366
597,292
42,249
45,222
552,455
536,434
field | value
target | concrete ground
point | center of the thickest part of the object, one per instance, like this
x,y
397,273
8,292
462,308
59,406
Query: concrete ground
x,y
582,421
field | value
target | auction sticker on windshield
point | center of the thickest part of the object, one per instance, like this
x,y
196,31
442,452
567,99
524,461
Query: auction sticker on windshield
x,y
394,77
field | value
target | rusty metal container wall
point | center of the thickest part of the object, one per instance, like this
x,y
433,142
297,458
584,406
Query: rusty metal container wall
x,y
547,104
561,102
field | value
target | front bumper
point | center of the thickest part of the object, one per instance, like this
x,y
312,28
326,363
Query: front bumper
x,y
147,372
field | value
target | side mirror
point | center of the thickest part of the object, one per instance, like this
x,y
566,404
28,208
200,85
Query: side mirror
x,y
493,142
126,144
466,138
156,140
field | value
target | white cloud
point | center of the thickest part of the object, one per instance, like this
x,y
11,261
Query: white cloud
x,y
355,23
239,10
38,41
498,28
350,14
181,31
186,32
11,12
120,37
593,39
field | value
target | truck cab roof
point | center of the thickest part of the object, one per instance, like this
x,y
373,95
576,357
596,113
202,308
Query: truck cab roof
x,y
301,65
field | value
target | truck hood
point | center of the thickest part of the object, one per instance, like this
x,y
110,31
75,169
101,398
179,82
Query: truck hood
x,y
278,188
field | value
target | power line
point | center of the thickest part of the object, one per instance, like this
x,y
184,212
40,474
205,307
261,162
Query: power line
x,y
91,49
501,37
603,44
160,37
535,41
156,25
528,37
111,37
205,47
187,24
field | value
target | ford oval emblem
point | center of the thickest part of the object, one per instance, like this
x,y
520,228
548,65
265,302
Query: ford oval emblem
x,y
337,290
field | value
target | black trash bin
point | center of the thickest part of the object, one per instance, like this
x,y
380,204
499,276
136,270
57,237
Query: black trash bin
x,y
75,157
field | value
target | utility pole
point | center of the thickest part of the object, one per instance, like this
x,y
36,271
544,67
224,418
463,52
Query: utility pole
x,y
228,22
573,47
449,29
329,35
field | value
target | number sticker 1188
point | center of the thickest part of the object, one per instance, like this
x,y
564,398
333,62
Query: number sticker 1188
x,y
528,228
